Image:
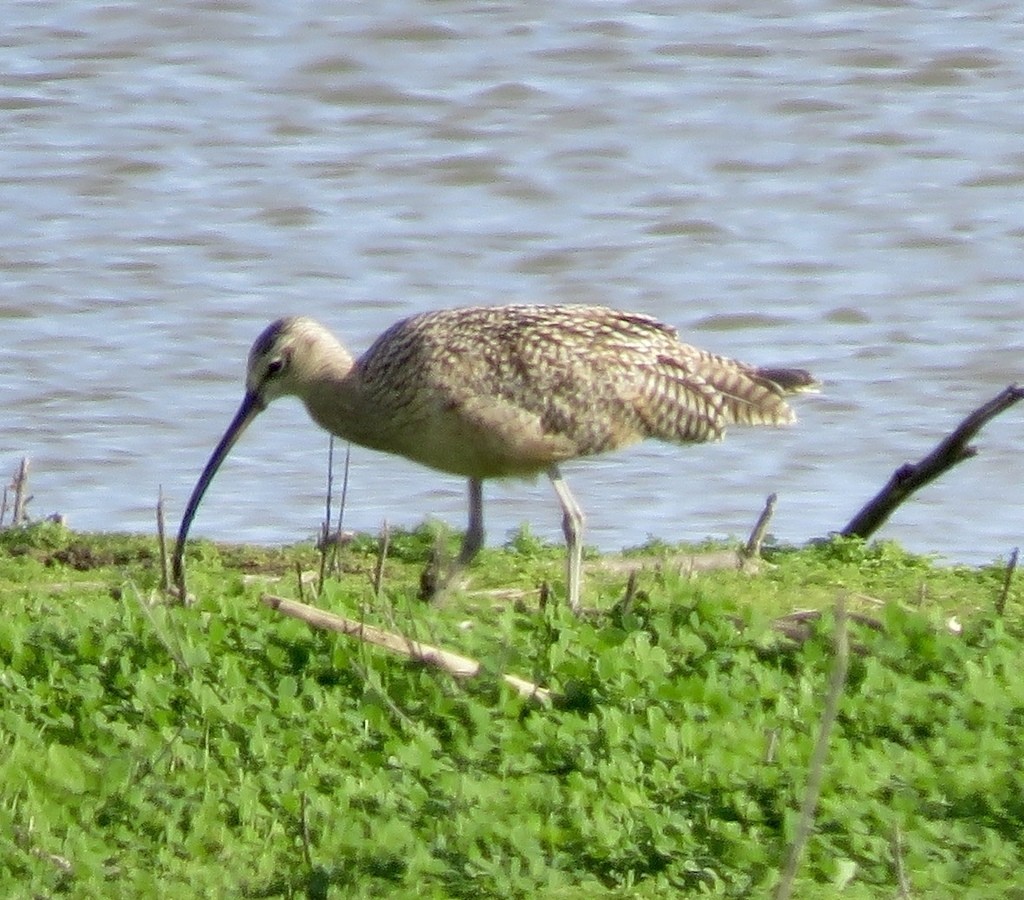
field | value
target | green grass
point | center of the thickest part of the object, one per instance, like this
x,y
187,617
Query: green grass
x,y
221,749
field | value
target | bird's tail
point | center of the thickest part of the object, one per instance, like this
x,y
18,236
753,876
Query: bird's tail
x,y
695,397
753,395
790,381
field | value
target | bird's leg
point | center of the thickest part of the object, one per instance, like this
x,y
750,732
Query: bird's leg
x,y
572,528
434,585
474,537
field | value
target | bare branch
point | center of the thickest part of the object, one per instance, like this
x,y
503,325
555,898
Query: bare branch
x,y
909,477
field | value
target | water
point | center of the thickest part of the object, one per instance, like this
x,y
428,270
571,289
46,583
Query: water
x,y
823,185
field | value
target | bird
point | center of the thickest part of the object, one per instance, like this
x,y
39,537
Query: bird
x,y
505,391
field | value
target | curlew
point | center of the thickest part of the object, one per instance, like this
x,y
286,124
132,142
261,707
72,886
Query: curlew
x,y
491,392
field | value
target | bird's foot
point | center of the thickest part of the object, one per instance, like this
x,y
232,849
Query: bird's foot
x,y
439,578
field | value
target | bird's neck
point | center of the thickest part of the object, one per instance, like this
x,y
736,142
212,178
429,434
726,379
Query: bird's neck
x,y
335,399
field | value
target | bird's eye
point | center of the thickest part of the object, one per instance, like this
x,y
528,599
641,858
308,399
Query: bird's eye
x,y
275,366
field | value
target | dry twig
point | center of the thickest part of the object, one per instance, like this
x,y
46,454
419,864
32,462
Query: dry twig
x,y
901,868
382,555
797,625
816,769
745,559
325,528
1007,579
626,603
340,531
304,831
161,535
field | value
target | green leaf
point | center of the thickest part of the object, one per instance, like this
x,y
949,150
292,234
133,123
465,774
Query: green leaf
x,y
65,768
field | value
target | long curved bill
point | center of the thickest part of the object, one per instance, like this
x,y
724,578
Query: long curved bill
x,y
251,407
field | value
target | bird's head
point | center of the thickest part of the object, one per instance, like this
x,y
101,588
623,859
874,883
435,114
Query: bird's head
x,y
288,356
286,359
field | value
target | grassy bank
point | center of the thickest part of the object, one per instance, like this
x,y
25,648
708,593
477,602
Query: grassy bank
x,y
218,750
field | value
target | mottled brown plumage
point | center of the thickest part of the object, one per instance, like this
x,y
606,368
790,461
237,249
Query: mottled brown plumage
x,y
486,392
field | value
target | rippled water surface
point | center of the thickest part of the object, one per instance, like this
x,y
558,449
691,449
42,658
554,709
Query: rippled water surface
x,y
831,186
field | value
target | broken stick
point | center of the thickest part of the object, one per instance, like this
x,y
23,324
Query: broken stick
x,y
453,663
753,548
